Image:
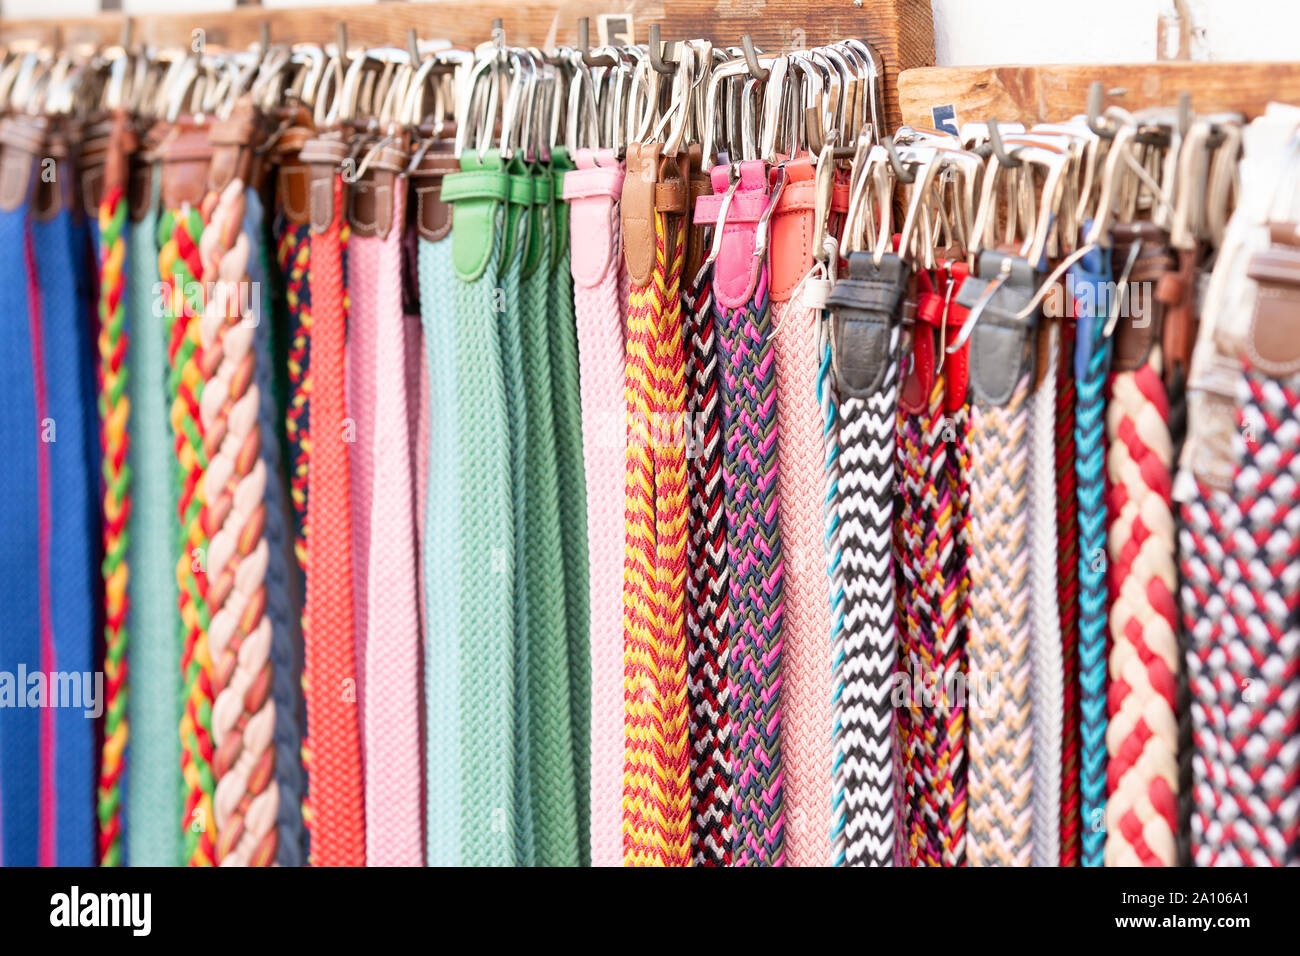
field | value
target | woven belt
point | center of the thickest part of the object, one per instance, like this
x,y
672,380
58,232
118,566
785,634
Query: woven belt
x,y
114,417
1091,364
293,254
999,830
864,334
806,680
1067,538
592,191
282,587
565,389
484,826
334,773
1142,734
656,794
24,533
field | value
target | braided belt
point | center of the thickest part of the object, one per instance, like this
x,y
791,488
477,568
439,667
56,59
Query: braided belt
x,y
391,719
864,342
337,816
562,336
592,192
114,418
293,253
1067,541
656,789
1142,734
482,829
24,533
806,680
932,727
1092,357
1001,775
751,506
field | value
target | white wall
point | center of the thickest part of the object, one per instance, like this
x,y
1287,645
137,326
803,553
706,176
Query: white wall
x,y
969,32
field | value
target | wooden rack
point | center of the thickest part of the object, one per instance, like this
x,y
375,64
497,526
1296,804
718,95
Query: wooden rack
x,y
946,97
901,31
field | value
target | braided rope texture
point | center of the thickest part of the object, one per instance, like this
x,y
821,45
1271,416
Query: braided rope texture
x,y
864,801
336,814
181,270
1241,556
246,798
656,787
604,436
999,831
756,566
293,253
115,445
806,678
915,640
1142,734
1092,362
1046,669
1067,594
552,790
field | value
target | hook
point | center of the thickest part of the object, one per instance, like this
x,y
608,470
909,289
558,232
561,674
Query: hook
x,y
1098,128
584,44
662,64
498,33
128,29
341,40
1184,113
995,144
904,174
413,47
751,59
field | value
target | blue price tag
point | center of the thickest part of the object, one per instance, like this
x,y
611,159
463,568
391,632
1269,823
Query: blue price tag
x,y
945,119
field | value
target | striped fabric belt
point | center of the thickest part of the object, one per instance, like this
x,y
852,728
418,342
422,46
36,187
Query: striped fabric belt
x,y
1092,358
1001,778
592,191
806,680
562,338
656,794
24,530
115,445
154,801
756,564
1142,732
391,649
864,340
932,727
483,829
282,587
68,771
334,773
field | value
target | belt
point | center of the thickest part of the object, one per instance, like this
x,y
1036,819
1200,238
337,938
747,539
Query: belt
x,y
1067,572
743,319
334,775
114,415
592,191
864,348
1142,732
153,799
1000,780
656,796
73,531
282,585
392,625
24,534
805,680
485,545
1091,364
239,633
551,768
293,253
565,388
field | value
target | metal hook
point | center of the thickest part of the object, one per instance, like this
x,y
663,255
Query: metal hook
x,y
995,144
751,59
901,171
584,45
661,64
1098,128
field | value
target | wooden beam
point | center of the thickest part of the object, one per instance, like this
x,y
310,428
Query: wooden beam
x,y
902,31
1032,94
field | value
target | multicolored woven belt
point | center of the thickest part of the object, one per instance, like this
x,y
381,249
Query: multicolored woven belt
x,y
1067,595
864,340
1001,779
